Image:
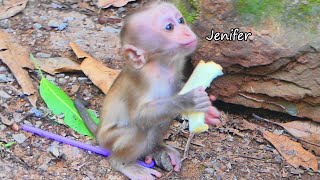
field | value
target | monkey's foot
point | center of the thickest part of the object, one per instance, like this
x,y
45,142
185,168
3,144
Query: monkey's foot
x,y
137,172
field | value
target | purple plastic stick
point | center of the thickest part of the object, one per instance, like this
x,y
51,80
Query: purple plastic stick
x,y
78,144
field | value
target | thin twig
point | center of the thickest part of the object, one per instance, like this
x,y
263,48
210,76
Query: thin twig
x,y
262,101
168,174
186,149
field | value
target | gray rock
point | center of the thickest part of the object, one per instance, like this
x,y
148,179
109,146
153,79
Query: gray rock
x,y
17,117
3,127
163,161
50,78
20,138
37,26
4,95
42,55
5,23
110,29
62,26
83,80
3,69
56,6
5,78
44,18
53,149
62,81
38,124
36,112
54,23
209,171
61,75
27,122
68,19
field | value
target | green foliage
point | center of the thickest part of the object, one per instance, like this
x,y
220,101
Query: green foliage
x,y
7,145
60,103
190,14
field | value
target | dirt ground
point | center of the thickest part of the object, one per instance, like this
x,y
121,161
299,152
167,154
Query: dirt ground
x,y
221,153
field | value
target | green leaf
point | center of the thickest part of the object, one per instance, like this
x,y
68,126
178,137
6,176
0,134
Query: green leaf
x,y
59,102
8,145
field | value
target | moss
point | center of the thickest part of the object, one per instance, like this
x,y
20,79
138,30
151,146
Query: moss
x,y
190,9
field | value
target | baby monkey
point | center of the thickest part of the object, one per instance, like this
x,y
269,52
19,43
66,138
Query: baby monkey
x,y
143,100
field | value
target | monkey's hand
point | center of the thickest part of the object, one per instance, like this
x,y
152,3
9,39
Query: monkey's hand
x,y
212,115
199,99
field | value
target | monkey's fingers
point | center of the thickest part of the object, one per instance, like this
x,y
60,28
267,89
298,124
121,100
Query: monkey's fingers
x,y
213,98
212,116
154,172
175,161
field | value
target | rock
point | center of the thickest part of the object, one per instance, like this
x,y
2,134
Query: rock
x,y
53,23
50,78
275,71
4,95
68,19
62,26
209,171
20,138
42,55
27,105
53,149
37,26
36,112
62,81
6,121
3,127
44,18
3,69
110,29
5,78
27,122
83,80
38,124
163,161
5,23
17,117
56,6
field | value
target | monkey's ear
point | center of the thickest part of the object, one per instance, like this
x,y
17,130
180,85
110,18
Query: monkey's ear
x,y
135,55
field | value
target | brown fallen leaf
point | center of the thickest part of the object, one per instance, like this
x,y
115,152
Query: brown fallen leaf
x,y
16,58
97,72
115,3
245,125
58,65
292,151
11,8
306,131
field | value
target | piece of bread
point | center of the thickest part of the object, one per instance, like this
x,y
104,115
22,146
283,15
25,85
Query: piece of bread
x,y
202,75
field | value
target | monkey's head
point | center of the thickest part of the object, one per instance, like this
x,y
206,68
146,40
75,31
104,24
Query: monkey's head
x,y
157,29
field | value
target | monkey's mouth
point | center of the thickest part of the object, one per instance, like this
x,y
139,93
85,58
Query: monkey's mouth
x,y
190,44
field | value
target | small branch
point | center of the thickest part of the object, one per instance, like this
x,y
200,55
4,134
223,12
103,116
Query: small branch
x,y
262,101
263,119
186,149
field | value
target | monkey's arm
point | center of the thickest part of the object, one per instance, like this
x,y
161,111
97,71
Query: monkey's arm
x,y
165,109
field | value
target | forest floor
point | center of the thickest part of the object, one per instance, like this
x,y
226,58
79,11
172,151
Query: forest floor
x,y
232,151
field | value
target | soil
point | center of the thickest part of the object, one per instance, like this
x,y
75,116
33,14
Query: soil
x,y
220,153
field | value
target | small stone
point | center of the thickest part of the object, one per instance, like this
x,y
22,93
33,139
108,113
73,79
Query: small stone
x,y
68,19
296,171
3,127
27,105
50,78
4,95
53,23
53,149
67,77
278,132
5,23
20,138
38,124
6,121
121,10
27,122
10,92
62,81
17,117
110,29
3,69
60,75
44,18
15,127
230,138
209,171
162,160
37,26
56,6
42,55
229,166
62,26
5,78
83,80
36,112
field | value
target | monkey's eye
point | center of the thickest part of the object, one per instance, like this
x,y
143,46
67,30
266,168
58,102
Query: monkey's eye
x,y
169,27
181,20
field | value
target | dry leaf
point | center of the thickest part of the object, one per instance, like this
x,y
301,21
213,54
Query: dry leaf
x,y
100,74
306,131
292,151
16,58
58,65
108,3
11,8
245,125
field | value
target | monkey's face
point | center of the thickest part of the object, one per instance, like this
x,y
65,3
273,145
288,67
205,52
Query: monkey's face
x,y
173,32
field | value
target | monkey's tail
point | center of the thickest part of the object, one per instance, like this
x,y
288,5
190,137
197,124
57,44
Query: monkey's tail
x,y
85,115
